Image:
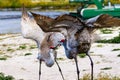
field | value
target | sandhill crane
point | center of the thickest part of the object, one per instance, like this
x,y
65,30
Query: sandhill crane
x,y
78,33
46,42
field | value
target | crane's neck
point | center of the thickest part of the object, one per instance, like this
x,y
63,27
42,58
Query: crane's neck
x,y
67,49
65,44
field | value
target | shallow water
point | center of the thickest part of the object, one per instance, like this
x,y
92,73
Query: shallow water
x,y
10,20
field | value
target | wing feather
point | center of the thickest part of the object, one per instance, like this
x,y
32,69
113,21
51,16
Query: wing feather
x,y
107,21
66,21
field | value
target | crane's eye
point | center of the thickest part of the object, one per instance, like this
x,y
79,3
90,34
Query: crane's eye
x,y
63,40
52,47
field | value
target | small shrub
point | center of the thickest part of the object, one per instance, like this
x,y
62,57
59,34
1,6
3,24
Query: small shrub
x,y
114,40
22,47
106,68
82,55
3,58
33,47
118,55
10,49
26,54
60,58
117,49
3,77
106,31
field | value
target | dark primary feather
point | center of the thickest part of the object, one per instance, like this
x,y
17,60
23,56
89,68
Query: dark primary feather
x,y
39,17
106,20
44,22
66,21
48,24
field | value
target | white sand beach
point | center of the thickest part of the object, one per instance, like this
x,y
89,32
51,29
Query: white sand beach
x,y
26,67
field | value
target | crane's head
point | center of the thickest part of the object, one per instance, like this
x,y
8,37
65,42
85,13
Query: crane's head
x,y
48,47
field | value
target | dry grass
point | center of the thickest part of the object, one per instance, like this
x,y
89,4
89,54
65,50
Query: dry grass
x,y
100,76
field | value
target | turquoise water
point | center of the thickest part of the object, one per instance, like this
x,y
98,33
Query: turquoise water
x,y
10,20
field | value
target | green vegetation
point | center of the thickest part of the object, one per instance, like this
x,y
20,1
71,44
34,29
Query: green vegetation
x,y
99,45
100,76
60,58
3,77
14,3
82,55
33,46
114,40
10,49
106,68
3,58
57,4
21,47
117,49
26,54
106,31
118,55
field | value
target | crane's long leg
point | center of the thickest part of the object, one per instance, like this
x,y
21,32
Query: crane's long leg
x,y
59,66
60,70
40,69
78,72
91,65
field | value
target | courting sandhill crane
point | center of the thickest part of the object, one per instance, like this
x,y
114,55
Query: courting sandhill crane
x,y
78,33
46,42
72,27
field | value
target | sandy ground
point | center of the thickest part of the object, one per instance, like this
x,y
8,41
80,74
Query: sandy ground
x,y
26,67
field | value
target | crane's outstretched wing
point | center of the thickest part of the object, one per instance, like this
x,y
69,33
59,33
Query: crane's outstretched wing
x,y
44,22
66,21
103,21
39,17
48,24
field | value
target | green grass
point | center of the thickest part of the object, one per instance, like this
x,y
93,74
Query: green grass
x,y
10,49
14,3
117,49
106,68
82,55
3,77
113,40
42,5
3,58
118,55
21,47
100,76
60,58
33,46
27,54
106,31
